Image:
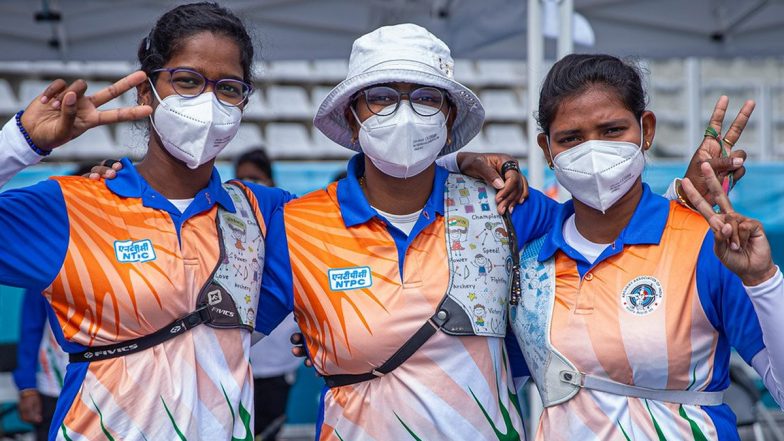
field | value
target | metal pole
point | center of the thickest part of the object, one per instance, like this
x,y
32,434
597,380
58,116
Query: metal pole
x,y
535,61
566,28
565,47
694,125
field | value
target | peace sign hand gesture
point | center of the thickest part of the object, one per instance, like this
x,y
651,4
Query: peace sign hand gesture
x,y
710,150
740,242
62,113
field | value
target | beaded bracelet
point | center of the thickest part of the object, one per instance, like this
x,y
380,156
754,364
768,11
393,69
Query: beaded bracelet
x,y
27,138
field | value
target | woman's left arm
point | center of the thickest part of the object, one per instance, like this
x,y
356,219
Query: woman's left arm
x,y
511,186
742,247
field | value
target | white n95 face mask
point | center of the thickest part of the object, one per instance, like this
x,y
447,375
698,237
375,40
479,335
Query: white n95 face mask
x,y
597,172
404,143
194,130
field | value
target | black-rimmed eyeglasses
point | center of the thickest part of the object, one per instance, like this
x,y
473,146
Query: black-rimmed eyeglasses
x,y
385,100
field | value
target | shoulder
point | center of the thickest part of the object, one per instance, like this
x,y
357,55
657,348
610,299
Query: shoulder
x,y
321,199
681,217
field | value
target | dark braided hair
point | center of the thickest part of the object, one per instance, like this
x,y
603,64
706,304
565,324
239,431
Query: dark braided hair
x,y
577,72
184,21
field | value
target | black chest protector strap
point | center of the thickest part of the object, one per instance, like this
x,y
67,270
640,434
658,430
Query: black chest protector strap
x,y
423,334
175,328
447,310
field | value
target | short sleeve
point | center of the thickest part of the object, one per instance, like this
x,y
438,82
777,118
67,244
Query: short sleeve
x,y
277,294
534,217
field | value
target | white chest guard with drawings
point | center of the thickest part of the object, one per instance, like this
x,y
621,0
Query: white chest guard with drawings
x,y
557,378
480,261
479,246
232,294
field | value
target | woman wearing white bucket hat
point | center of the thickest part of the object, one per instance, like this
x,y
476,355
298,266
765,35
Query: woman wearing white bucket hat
x,y
381,261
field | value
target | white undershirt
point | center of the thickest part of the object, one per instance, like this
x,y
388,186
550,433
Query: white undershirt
x,y
589,250
403,222
181,204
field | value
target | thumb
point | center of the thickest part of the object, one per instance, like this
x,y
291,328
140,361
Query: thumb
x,y
67,116
489,174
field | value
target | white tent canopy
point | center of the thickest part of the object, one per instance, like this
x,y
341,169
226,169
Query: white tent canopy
x,y
304,29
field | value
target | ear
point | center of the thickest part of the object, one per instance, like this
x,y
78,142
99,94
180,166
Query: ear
x,y
541,139
144,94
648,129
352,122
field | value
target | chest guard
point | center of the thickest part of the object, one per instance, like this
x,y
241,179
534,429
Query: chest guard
x,y
557,378
480,260
479,248
232,294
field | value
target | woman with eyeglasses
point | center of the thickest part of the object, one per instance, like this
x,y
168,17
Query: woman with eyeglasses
x,y
154,276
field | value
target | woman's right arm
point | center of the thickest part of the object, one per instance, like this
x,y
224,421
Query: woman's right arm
x,y
34,226
61,113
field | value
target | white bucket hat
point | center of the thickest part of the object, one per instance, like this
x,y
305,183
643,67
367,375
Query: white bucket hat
x,y
404,53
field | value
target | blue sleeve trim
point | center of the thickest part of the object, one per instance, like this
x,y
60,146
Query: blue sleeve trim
x,y
269,199
37,212
74,377
320,418
31,332
277,285
534,217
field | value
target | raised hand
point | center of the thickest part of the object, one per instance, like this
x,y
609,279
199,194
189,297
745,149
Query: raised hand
x,y
64,112
740,242
710,150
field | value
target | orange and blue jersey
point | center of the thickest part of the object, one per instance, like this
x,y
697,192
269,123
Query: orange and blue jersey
x,y
117,261
657,309
359,288
40,363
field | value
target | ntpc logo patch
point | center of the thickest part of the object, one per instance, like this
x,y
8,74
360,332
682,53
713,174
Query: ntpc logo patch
x,y
129,251
344,279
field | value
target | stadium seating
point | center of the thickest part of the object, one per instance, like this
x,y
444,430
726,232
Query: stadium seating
x,y
503,105
289,102
8,103
289,140
288,94
248,137
506,138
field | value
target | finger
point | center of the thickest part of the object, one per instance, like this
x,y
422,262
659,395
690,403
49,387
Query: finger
x,y
717,118
123,114
697,200
67,116
117,165
296,338
524,195
735,130
298,351
725,165
510,194
107,94
733,234
745,229
715,188
52,90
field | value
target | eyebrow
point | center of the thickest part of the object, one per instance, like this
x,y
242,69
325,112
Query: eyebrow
x,y
222,76
604,125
